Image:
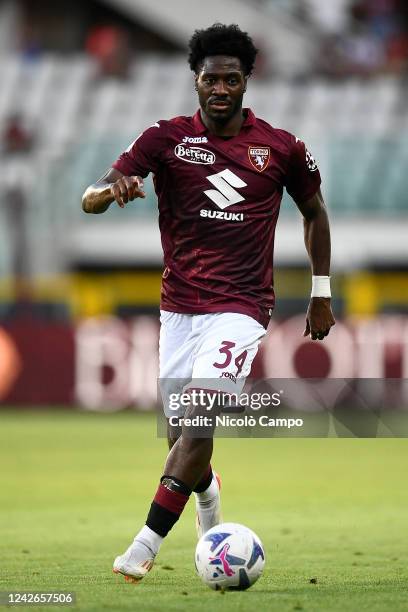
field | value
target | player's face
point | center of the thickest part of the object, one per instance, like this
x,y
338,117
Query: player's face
x,y
221,85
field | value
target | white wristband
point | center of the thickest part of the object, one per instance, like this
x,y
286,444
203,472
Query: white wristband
x,y
321,286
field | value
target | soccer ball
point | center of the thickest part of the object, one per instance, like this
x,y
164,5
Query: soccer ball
x,y
229,557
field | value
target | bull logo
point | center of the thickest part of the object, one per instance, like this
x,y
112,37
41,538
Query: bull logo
x,y
259,157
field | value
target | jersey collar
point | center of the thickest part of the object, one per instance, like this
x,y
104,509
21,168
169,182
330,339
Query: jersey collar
x,y
200,128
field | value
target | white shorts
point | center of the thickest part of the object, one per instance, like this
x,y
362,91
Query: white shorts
x,y
210,351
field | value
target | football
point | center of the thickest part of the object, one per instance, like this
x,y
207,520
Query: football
x,y
229,557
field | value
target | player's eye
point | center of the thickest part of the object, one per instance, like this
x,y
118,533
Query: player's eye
x,y
233,81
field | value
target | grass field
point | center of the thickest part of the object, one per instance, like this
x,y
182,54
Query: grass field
x,y
75,487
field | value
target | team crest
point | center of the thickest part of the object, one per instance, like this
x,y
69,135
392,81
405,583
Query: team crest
x,y
259,157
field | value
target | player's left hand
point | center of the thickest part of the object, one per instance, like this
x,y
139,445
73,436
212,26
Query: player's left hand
x,y
319,318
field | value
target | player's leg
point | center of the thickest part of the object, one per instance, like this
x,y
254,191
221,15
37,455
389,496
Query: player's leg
x,y
189,458
206,492
215,357
228,344
175,365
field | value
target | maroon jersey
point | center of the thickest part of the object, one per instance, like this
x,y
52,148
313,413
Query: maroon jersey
x,y
219,202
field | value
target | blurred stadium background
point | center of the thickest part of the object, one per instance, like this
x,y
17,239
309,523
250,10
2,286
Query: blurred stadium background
x,y
79,294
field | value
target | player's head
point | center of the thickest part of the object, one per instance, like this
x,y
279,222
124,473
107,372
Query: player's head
x,y
222,58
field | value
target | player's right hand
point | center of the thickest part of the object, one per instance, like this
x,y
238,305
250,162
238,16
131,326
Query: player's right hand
x,y
126,189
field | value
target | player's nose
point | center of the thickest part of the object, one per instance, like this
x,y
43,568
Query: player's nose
x,y
220,88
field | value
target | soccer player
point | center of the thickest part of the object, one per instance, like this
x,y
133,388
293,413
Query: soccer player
x,y
219,178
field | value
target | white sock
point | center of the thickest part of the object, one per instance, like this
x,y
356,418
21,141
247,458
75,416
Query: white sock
x,y
209,494
208,506
149,538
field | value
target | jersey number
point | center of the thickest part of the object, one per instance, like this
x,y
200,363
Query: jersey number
x,y
226,349
225,195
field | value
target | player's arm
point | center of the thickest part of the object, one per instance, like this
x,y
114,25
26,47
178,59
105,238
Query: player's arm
x,y
319,318
112,187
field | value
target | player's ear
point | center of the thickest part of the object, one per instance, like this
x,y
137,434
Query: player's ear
x,y
195,82
245,83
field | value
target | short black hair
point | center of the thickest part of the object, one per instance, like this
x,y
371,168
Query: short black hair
x,y
221,39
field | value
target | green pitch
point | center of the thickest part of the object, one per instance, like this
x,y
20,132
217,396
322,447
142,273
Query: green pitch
x,y
332,515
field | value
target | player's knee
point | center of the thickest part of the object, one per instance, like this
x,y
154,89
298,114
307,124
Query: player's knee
x,y
197,445
202,409
173,434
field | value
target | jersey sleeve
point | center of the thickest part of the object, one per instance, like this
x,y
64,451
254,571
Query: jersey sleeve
x,y
303,176
144,154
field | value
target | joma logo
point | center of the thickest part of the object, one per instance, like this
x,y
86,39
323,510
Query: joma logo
x,y
195,139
